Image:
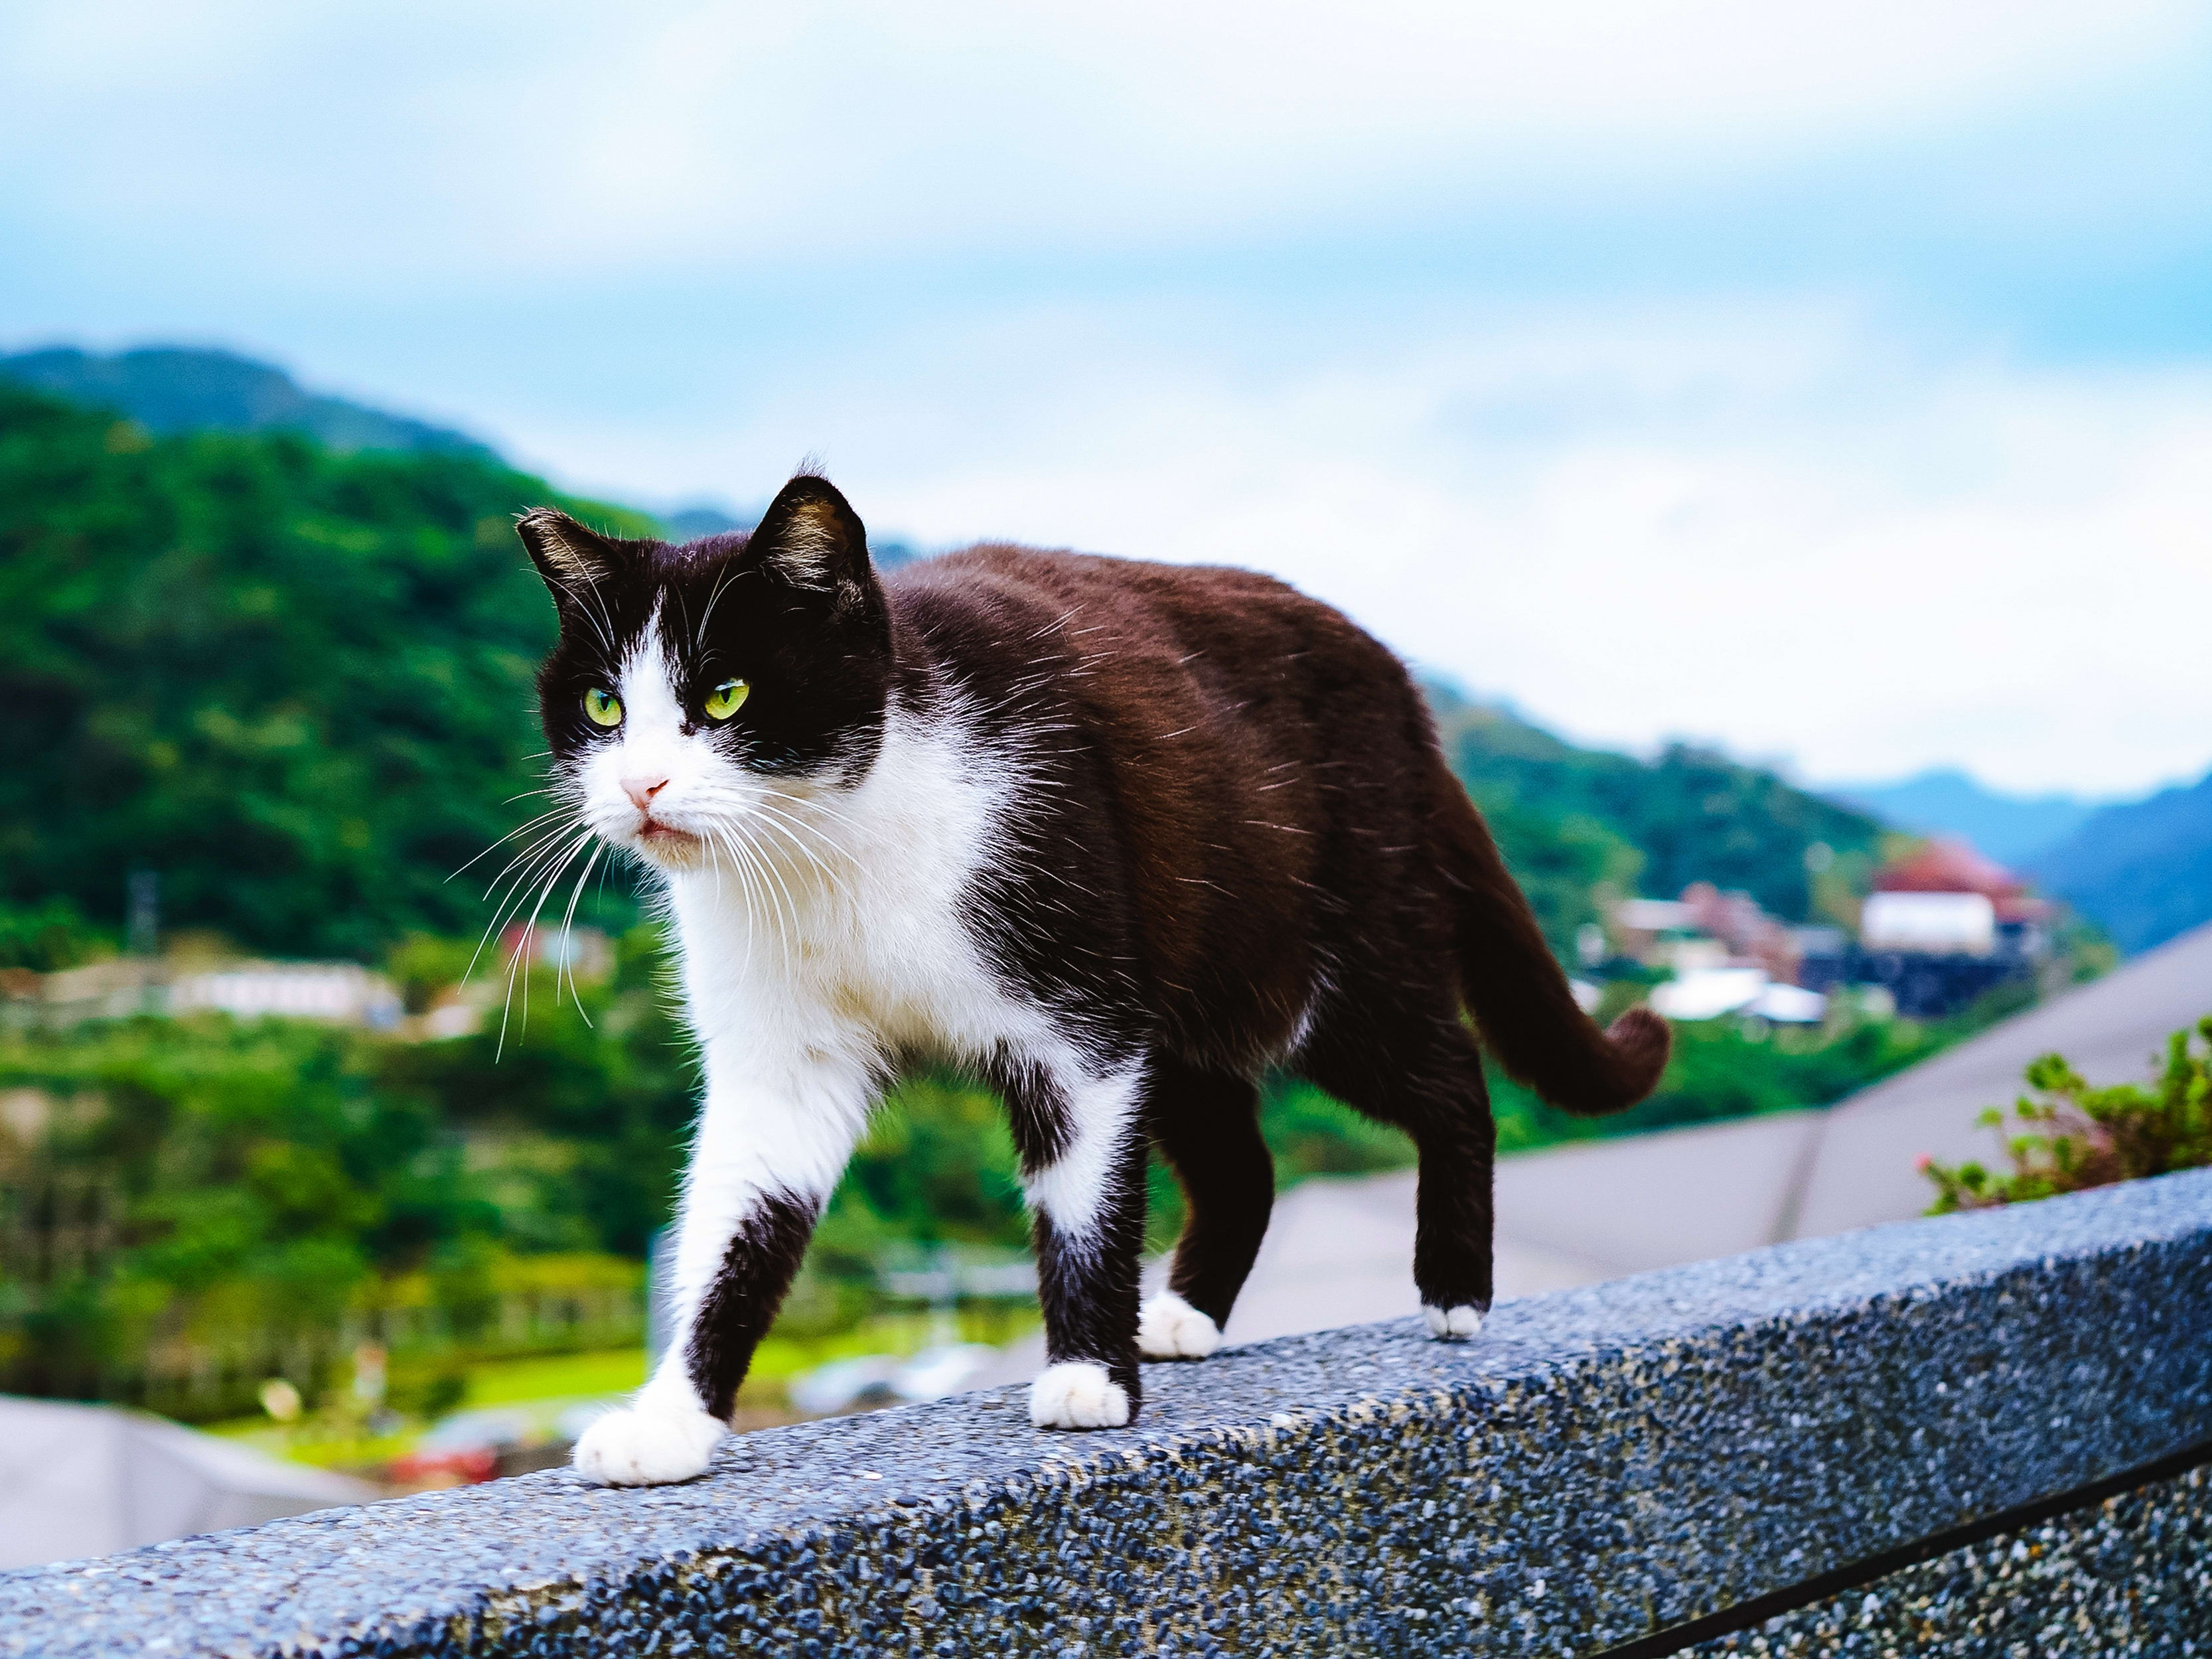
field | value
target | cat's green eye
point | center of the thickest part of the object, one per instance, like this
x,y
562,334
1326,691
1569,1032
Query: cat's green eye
x,y
725,699
604,708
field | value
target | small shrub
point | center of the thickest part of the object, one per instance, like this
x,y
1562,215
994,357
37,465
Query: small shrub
x,y
2073,1136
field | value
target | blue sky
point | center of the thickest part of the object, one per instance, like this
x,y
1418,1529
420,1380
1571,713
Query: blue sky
x,y
1834,383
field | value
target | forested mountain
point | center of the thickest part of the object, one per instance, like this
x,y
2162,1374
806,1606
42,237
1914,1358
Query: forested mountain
x,y
172,389
296,684
2143,872
1579,823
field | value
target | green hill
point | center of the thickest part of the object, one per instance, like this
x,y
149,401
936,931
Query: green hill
x,y
296,684
172,389
1578,825
2143,872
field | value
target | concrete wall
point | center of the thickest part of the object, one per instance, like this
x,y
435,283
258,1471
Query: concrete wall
x,y
1625,1468
2129,1574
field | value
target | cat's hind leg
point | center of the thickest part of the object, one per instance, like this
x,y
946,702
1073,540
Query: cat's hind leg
x,y
1206,1125
1423,1074
1082,1144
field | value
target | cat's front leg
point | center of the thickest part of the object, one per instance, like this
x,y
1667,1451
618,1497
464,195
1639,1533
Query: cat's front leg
x,y
763,1164
1083,1164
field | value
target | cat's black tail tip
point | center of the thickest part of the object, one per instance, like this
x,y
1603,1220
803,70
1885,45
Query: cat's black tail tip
x,y
1641,1042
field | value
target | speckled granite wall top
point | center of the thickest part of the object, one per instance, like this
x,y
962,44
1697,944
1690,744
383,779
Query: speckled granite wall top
x,y
2131,1575
1599,1464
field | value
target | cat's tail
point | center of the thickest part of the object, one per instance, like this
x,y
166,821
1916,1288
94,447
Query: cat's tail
x,y
1519,995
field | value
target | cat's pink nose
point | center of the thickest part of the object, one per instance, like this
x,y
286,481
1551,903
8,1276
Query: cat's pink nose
x,y
641,789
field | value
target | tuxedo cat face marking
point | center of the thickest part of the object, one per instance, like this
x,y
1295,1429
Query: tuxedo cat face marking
x,y
667,780
700,694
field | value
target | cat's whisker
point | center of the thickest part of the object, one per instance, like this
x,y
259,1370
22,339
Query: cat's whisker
x,y
519,830
518,965
788,829
786,907
547,871
782,911
605,633
812,804
715,856
752,915
563,810
814,866
796,817
509,888
530,854
568,937
777,873
510,902
713,599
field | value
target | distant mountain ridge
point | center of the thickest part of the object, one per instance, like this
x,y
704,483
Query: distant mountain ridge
x,y
2143,871
169,388
1945,800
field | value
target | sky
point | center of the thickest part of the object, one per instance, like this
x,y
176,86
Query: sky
x,y
1834,384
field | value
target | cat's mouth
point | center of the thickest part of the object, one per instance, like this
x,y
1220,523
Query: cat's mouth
x,y
655,835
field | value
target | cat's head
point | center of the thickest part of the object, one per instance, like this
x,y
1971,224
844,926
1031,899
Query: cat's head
x,y
698,692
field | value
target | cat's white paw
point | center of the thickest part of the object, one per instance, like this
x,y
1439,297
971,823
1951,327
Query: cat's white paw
x,y
1170,1328
645,1447
1078,1394
1453,1324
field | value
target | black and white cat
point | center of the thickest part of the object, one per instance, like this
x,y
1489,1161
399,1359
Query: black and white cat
x,y
1116,837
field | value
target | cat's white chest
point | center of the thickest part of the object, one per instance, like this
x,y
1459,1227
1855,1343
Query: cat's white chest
x,y
859,945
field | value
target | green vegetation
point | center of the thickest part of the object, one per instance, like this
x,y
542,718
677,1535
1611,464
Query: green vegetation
x,y
214,1199
560,1377
296,684
207,1201
187,389
1580,825
201,1181
2073,1136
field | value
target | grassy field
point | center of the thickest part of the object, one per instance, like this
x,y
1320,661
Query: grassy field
x,y
544,1386
559,1377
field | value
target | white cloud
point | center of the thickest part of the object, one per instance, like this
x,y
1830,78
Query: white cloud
x,y
1094,275
1778,528
404,140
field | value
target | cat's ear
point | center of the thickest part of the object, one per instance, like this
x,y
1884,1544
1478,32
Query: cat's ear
x,y
810,538
571,557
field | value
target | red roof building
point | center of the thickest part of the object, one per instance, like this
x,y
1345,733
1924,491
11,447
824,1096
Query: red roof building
x,y
1955,866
